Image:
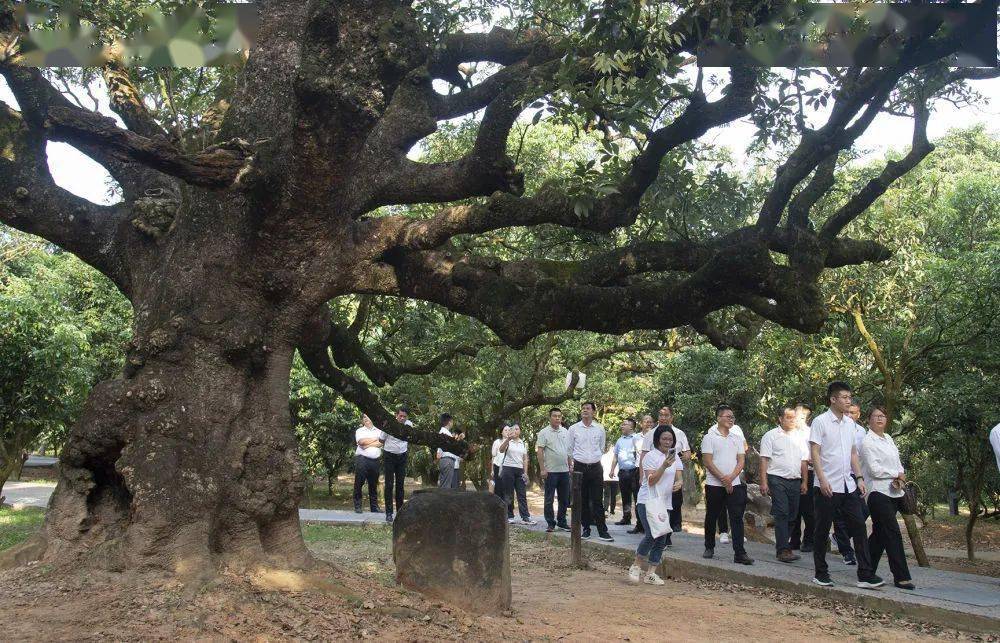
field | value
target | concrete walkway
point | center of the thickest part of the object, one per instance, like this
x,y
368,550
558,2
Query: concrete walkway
x,y
948,598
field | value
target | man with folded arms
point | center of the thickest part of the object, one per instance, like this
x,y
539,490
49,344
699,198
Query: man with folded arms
x,y
838,483
783,472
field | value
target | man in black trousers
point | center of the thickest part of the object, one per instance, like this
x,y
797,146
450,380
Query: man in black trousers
x,y
587,441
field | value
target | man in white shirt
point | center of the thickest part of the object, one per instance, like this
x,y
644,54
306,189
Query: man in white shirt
x,y
647,425
448,462
995,443
840,535
666,416
724,517
838,487
724,454
783,472
366,455
803,525
587,441
394,454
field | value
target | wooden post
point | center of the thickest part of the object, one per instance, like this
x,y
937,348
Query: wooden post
x,y
916,540
575,534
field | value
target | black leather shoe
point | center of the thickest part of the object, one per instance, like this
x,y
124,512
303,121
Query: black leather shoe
x,y
624,521
636,530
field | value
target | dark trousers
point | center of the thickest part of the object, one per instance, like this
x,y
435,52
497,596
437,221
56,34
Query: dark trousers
x,y
610,495
840,532
784,506
628,483
593,487
849,506
366,470
718,502
676,500
498,490
885,535
512,479
394,465
556,484
800,536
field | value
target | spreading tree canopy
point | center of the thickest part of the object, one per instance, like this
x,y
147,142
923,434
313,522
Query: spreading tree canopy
x,y
269,190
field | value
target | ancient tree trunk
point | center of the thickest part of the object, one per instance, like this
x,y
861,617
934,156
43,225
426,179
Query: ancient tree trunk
x,y
189,460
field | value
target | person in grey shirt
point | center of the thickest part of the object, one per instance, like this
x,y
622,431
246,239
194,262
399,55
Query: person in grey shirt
x,y
552,447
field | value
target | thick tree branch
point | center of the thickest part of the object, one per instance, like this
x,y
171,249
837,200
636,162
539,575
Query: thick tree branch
x,y
31,201
317,360
877,186
126,101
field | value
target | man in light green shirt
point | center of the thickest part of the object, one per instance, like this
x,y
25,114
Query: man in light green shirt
x,y
552,447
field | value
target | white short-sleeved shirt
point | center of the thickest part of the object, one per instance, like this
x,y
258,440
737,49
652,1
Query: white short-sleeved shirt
x,y
515,456
736,429
724,452
995,443
680,440
586,443
364,433
665,485
801,435
606,465
495,450
394,445
446,454
835,439
785,452
880,463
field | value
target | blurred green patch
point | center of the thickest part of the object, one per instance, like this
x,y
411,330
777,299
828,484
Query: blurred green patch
x,y
17,525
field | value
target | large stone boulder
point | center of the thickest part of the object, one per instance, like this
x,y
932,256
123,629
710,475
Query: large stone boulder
x,y
452,545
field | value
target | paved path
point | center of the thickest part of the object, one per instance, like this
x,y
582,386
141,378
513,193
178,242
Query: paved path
x,y
952,598
27,494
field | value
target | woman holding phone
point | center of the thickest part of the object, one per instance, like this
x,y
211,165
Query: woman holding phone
x,y
884,478
513,476
659,469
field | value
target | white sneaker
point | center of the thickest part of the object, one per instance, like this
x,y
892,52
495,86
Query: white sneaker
x,y
529,522
652,579
724,538
511,521
634,574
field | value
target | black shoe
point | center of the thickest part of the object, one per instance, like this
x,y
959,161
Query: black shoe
x,y
376,510
624,521
849,560
823,580
637,530
709,553
806,548
562,527
743,559
586,533
872,582
388,516
357,510
905,584
550,529
606,537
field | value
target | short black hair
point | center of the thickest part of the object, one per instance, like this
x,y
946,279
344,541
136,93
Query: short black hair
x,y
806,405
445,418
593,407
835,387
403,409
554,409
785,407
630,421
660,431
723,407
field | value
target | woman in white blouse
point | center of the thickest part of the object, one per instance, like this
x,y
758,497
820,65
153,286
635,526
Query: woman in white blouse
x,y
513,473
884,477
660,467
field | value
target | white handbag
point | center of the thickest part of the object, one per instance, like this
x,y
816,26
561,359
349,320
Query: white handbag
x,y
657,514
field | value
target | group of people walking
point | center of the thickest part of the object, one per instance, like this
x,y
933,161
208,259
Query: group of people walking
x,y
830,473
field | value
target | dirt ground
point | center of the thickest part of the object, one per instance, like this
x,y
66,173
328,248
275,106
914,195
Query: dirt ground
x,y
356,599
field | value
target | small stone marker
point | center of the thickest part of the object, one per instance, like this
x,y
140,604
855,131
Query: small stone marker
x,y
452,545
